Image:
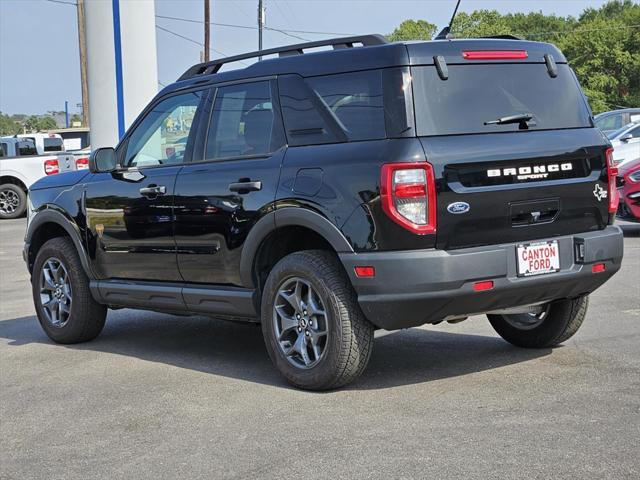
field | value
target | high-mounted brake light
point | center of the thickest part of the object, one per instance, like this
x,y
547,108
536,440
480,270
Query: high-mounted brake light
x,y
495,54
82,163
612,173
408,194
51,167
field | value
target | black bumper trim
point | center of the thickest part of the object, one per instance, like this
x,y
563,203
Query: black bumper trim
x,y
426,286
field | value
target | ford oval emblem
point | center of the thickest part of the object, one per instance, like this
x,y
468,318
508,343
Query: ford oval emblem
x,y
458,208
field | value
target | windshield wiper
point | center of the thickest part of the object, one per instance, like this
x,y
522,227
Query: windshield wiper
x,y
521,119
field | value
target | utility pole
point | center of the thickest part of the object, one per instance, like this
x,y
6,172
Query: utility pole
x,y
261,12
82,43
206,30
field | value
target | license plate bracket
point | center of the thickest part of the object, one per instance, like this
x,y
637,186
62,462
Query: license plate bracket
x,y
539,258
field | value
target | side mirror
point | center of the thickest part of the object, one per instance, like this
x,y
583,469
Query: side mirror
x,y
102,160
626,138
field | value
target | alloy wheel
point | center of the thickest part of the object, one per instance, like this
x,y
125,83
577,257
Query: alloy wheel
x,y
9,201
55,292
301,323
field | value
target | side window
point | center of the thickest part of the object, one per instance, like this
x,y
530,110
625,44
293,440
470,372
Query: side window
x,y
3,149
356,100
635,133
243,122
26,148
162,136
611,122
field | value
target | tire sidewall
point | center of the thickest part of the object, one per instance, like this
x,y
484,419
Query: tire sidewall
x,y
328,367
22,206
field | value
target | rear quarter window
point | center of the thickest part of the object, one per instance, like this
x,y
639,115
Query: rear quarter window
x,y
475,94
53,144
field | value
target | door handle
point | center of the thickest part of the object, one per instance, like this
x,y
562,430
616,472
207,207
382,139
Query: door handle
x,y
153,190
245,187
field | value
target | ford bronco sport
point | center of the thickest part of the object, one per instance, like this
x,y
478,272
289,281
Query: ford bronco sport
x,y
328,193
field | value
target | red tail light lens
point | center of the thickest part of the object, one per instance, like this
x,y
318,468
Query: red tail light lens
x,y
51,167
408,194
82,163
598,267
495,55
612,173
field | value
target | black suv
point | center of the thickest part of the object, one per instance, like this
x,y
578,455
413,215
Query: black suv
x,y
325,193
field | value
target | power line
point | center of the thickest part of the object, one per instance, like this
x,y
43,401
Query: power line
x,y
159,27
62,2
248,27
585,30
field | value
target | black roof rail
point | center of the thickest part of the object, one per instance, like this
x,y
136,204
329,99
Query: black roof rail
x,y
337,43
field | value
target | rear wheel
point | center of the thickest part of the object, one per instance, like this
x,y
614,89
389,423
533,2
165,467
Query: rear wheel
x,y
314,330
556,323
13,201
66,310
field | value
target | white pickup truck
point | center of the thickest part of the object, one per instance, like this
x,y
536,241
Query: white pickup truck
x,y
21,166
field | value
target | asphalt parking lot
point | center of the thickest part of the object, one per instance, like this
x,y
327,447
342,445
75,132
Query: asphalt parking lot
x,y
160,396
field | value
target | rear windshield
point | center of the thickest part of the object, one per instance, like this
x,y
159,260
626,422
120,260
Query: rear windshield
x,y
53,144
475,94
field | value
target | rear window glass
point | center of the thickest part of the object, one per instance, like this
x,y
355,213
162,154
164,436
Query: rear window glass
x,y
475,94
53,144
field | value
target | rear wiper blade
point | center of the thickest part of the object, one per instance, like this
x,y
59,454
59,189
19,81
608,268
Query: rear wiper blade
x,y
521,118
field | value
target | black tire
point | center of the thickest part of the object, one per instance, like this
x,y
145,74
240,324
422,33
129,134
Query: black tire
x,y
560,322
13,201
85,318
349,341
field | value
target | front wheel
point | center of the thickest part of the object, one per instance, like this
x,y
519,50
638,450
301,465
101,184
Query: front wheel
x,y
556,323
66,310
314,330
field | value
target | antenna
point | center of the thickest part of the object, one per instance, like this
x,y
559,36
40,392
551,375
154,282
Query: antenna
x,y
444,33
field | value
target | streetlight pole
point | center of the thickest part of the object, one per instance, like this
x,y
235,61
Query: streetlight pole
x,y
82,43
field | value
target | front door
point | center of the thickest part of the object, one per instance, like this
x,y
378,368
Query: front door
x,y
130,211
230,184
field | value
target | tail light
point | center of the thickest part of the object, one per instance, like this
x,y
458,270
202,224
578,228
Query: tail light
x,y
408,194
82,163
51,167
612,173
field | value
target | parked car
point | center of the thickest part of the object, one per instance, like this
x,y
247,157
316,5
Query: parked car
x,y
628,182
21,166
610,121
45,142
626,143
325,194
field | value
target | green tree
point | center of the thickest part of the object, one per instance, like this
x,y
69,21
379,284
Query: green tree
x,y
47,123
413,30
8,126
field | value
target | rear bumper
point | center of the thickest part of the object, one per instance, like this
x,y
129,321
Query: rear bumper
x,y
411,288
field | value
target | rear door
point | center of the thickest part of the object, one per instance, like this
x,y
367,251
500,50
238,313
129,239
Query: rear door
x,y
507,182
230,184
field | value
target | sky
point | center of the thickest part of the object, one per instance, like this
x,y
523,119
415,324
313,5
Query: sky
x,y
39,62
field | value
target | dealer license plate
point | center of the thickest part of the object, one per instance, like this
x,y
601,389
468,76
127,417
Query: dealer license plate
x,y
538,258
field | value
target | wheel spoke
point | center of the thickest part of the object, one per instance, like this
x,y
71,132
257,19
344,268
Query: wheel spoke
x,y
48,283
288,322
312,304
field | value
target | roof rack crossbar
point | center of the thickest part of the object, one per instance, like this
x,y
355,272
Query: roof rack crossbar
x,y
289,50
